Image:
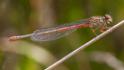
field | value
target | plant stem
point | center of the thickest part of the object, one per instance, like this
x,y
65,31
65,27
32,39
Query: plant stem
x,y
85,45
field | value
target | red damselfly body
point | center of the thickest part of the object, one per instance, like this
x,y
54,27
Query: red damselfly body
x,y
53,33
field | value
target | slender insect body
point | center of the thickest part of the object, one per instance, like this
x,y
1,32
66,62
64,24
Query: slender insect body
x,y
53,33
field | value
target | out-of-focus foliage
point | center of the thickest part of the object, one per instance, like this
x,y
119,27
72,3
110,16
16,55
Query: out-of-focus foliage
x,y
24,16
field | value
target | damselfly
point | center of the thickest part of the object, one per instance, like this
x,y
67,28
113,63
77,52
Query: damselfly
x,y
53,33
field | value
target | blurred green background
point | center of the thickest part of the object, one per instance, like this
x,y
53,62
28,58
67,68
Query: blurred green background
x,y
24,16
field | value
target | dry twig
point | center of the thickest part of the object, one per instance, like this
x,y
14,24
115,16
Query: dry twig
x,y
85,45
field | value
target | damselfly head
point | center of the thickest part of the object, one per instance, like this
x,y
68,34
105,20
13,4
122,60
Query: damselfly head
x,y
108,19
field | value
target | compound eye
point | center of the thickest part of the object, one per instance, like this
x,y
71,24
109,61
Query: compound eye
x,y
108,18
